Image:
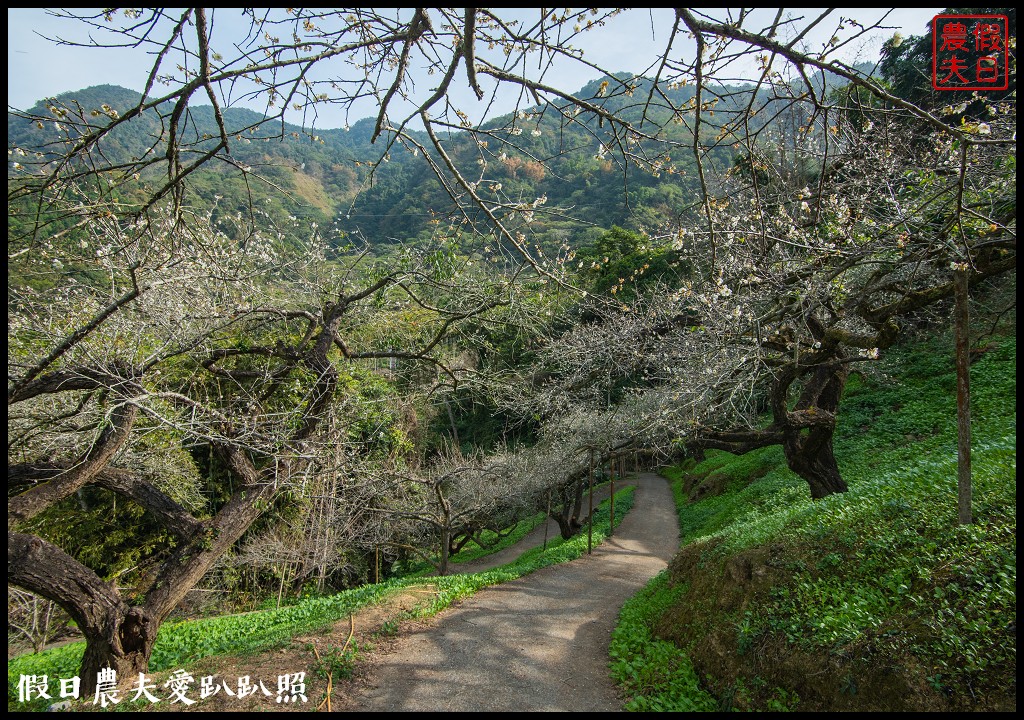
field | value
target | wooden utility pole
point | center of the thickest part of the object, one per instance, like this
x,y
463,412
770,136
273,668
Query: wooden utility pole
x,y
547,521
590,515
961,323
611,517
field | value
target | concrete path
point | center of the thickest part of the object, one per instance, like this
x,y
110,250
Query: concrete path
x,y
539,642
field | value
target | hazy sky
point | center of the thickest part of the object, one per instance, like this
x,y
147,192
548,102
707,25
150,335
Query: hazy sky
x,y
37,68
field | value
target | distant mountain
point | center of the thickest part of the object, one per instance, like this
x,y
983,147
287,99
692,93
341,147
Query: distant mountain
x,y
310,180
325,177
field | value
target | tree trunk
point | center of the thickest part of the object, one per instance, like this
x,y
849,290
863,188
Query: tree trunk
x,y
117,636
460,539
577,508
567,526
963,398
123,643
445,540
451,421
807,439
812,459
568,516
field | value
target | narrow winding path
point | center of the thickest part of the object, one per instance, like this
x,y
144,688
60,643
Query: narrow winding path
x,y
537,643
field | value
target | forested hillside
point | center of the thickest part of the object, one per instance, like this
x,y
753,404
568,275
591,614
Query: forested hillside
x,y
386,196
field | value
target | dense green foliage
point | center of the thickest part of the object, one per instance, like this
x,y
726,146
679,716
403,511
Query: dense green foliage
x,y
655,674
882,574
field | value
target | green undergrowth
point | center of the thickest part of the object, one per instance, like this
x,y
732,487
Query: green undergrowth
x,y
179,644
878,592
656,675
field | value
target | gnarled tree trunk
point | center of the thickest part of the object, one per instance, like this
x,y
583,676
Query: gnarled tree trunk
x,y
809,431
815,462
568,516
117,635
805,431
123,642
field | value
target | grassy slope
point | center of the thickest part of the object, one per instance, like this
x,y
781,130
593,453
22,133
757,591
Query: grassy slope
x,y
874,599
